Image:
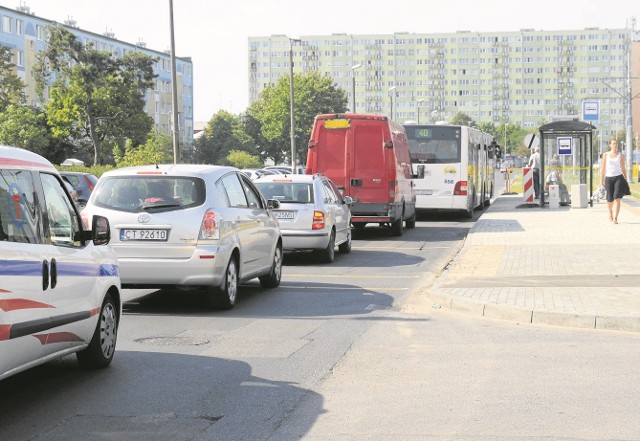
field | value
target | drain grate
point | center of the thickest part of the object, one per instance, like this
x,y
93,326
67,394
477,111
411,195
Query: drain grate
x,y
172,341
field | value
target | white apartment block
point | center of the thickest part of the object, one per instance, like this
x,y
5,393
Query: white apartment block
x,y
524,77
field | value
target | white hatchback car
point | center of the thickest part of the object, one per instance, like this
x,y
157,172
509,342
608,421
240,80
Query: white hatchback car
x,y
189,226
313,214
59,284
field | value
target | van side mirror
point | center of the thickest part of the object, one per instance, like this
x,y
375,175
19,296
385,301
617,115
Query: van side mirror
x,y
273,204
347,200
100,230
420,172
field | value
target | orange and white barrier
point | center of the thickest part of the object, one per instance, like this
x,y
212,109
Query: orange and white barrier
x,y
527,184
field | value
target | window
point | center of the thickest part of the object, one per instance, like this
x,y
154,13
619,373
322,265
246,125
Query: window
x,y
231,186
6,24
18,214
62,219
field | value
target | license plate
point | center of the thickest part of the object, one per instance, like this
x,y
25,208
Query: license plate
x,y
283,214
424,192
144,234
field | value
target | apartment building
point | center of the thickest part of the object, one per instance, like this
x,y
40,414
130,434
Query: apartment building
x,y
524,77
25,34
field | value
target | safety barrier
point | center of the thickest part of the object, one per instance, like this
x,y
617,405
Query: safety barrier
x,y
527,184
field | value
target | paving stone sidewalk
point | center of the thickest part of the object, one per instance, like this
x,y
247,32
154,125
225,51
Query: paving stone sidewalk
x,y
565,266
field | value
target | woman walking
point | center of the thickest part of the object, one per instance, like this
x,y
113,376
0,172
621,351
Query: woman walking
x,y
613,174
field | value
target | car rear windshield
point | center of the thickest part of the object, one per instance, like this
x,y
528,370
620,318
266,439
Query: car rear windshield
x,y
150,193
287,191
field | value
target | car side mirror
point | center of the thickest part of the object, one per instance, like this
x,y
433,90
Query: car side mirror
x,y
348,200
273,204
100,230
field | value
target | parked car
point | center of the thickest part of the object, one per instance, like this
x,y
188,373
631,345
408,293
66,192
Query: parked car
x,y
190,226
367,157
72,191
313,215
83,183
59,284
254,174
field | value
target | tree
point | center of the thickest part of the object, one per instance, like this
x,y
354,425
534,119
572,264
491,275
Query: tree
x,y
462,119
313,95
223,133
23,126
157,150
94,96
242,159
11,86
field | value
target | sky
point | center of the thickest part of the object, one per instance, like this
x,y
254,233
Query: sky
x,y
215,34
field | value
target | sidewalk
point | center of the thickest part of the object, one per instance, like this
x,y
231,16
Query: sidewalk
x,y
563,267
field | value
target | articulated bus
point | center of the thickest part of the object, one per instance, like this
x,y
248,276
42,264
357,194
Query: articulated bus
x,y
453,167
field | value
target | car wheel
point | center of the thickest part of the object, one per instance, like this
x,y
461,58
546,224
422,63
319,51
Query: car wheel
x,y
100,351
345,247
272,280
329,253
224,297
397,227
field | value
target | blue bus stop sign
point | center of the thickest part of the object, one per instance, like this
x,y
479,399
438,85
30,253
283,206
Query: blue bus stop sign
x,y
590,110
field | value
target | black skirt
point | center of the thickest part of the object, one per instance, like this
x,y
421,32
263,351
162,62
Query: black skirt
x,y
617,187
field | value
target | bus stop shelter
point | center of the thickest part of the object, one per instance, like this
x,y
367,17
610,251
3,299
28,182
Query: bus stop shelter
x,y
573,139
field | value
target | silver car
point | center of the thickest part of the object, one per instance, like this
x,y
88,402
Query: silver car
x,y
189,226
313,215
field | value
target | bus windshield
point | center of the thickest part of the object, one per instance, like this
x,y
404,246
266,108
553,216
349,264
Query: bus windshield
x,y
434,144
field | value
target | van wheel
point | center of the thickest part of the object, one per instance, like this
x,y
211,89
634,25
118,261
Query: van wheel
x,y
345,247
224,297
329,253
397,227
100,351
411,222
272,280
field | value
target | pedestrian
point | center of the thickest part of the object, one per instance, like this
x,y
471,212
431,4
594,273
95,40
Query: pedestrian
x,y
534,163
613,175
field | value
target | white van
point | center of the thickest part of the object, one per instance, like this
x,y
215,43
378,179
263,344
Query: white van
x,y
59,285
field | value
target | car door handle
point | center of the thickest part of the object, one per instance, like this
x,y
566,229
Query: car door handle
x,y
54,273
45,275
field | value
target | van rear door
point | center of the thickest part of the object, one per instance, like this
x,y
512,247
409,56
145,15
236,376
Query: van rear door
x,y
369,180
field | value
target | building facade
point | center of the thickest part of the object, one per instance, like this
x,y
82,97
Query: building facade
x,y
525,77
25,34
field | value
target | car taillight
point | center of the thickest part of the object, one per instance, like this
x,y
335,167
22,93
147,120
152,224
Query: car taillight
x,y
210,228
318,220
461,188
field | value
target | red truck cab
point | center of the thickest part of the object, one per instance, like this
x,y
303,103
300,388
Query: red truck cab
x,y
367,157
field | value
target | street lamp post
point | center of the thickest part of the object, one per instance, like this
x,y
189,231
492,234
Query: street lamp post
x,y
391,91
418,107
174,91
291,114
353,86
505,137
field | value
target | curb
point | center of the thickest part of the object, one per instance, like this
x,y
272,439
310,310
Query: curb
x,y
529,316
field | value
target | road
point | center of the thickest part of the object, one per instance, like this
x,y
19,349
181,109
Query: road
x,y
338,351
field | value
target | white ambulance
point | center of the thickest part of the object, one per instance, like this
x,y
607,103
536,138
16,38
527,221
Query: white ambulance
x,y
59,285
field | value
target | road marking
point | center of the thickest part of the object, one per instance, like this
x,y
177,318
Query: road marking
x,y
334,276
351,288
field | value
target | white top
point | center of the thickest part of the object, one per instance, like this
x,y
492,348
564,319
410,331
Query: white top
x,y
613,167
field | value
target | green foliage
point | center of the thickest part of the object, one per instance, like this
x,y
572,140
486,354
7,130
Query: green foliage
x,y
224,133
313,95
242,159
22,126
11,86
96,170
95,99
157,150
462,119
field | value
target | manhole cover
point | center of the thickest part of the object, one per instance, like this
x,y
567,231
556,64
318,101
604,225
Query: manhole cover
x,y
172,341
